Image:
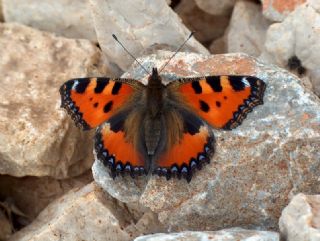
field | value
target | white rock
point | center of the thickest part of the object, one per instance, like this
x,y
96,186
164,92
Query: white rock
x,y
300,220
85,214
247,29
278,10
69,18
231,234
37,137
216,7
298,35
315,4
88,214
138,25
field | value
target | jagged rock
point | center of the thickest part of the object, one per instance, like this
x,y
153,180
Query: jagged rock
x,y
300,220
6,228
275,152
69,18
296,37
87,214
247,29
138,25
278,10
216,7
32,194
206,26
221,235
1,12
37,137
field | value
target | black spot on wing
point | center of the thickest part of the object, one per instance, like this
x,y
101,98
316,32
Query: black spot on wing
x,y
117,121
204,106
116,88
218,103
82,85
236,83
215,83
101,84
191,122
95,105
196,87
108,107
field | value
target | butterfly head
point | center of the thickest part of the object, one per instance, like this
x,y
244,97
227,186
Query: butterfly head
x,y
154,80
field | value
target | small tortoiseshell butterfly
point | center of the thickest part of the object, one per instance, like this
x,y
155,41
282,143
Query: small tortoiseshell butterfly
x,y
157,128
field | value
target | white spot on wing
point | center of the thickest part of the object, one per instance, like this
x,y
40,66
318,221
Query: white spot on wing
x,y
74,86
245,81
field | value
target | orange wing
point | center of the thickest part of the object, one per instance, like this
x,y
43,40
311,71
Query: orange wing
x,y
222,101
91,101
116,152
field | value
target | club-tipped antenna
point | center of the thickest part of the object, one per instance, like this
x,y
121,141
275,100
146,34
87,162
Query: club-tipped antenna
x,y
191,34
115,37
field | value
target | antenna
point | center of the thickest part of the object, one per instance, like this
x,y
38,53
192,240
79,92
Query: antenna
x,y
191,34
115,37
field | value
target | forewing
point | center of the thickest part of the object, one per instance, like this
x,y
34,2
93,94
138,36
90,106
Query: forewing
x,y
222,101
92,101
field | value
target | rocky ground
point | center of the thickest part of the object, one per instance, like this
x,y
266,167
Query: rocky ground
x,y
263,180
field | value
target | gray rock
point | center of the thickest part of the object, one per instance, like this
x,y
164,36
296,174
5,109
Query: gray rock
x,y
89,214
33,194
274,153
206,26
216,7
221,235
69,18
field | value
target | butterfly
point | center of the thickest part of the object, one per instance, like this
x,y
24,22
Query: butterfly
x,y
156,128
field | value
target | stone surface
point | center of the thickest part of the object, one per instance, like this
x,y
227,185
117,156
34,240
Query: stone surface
x,y
1,12
216,7
206,26
69,18
274,153
298,35
138,25
300,220
221,235
37,137
278,10
219,46
247,29
87,214
6,229
32,194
